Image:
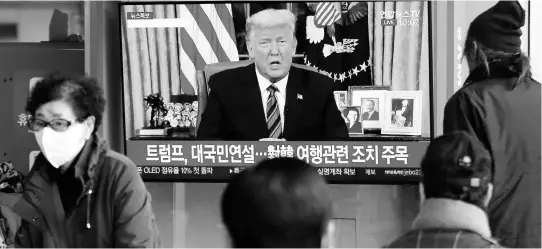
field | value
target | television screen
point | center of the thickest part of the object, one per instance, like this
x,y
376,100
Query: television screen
x,y
213,88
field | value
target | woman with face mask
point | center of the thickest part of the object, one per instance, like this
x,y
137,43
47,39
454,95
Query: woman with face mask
x,y
79,193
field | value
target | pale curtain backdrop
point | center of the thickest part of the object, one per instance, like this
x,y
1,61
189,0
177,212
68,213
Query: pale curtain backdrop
x,y
165,60
400,54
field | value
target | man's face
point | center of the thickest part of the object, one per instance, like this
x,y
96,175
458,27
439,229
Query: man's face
x,y
352,116
404,102
272,50
369,105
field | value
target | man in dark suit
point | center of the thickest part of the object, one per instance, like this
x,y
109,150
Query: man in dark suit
x,y
370,112
269,99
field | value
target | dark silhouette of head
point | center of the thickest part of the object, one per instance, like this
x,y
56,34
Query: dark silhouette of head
x,y
494,38
279,203
457,166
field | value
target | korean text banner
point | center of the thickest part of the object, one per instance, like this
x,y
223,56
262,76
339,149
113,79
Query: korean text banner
x,y
324,154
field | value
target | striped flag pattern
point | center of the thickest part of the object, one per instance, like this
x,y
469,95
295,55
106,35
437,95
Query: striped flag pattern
x,y
273,116
326,14
208,37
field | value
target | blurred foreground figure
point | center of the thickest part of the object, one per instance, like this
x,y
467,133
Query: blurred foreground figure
x,y
279,203
79,193
500,104
457,184
11,186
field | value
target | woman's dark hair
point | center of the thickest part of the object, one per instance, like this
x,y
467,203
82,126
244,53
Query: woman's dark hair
x,y
446,176
348,109
279,203
483,56
445,188
84,95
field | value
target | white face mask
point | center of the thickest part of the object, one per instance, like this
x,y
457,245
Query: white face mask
x,y
61,147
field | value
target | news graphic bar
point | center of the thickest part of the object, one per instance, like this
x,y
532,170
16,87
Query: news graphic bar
x,y
227,153
331,174
356,161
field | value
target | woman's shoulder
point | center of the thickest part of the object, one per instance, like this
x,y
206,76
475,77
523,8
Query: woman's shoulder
x,y
469,92
117,160
115,165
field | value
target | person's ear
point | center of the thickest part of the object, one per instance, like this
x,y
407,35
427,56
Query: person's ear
x,y
89,124
489,194
250,50
329,237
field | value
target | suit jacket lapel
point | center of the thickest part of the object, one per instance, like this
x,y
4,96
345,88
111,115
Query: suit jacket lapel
x,y
255,110
294,101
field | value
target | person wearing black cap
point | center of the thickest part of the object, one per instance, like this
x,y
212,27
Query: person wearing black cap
x,y
456,181
500,104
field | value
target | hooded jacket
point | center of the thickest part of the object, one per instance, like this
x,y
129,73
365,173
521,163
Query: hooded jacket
x,y
505,115
99,201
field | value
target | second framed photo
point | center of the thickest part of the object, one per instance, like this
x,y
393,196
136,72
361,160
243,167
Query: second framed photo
x,y
372,101
341,98
404,113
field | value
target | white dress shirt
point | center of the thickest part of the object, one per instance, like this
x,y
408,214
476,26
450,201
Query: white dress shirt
x,y
280,94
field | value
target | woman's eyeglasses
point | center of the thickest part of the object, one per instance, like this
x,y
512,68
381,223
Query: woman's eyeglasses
x,y
60,125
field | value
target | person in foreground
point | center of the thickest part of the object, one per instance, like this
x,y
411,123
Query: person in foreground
x,y
79,193
457,184
270,99
279,203
500,104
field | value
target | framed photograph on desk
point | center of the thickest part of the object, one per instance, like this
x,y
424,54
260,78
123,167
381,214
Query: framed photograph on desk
x,y
341,98
352,117
373,102
404,113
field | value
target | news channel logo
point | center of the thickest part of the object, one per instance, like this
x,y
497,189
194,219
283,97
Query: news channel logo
x,y
139,15
407,18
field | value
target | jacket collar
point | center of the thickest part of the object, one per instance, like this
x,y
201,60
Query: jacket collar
x,y
293,107
84,163
497,69
40,183
452,214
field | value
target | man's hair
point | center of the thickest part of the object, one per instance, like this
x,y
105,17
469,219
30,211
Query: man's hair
x,y
370,100
348,109
269,18
483,56
443,175
281,202
84,95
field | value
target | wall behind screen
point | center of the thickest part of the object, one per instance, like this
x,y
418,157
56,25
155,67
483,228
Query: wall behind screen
x,y
32,18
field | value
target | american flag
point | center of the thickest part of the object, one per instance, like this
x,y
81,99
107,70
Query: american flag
x,y
326,14
207,37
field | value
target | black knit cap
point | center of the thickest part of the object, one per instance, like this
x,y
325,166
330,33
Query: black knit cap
x,y
458,159
499,28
